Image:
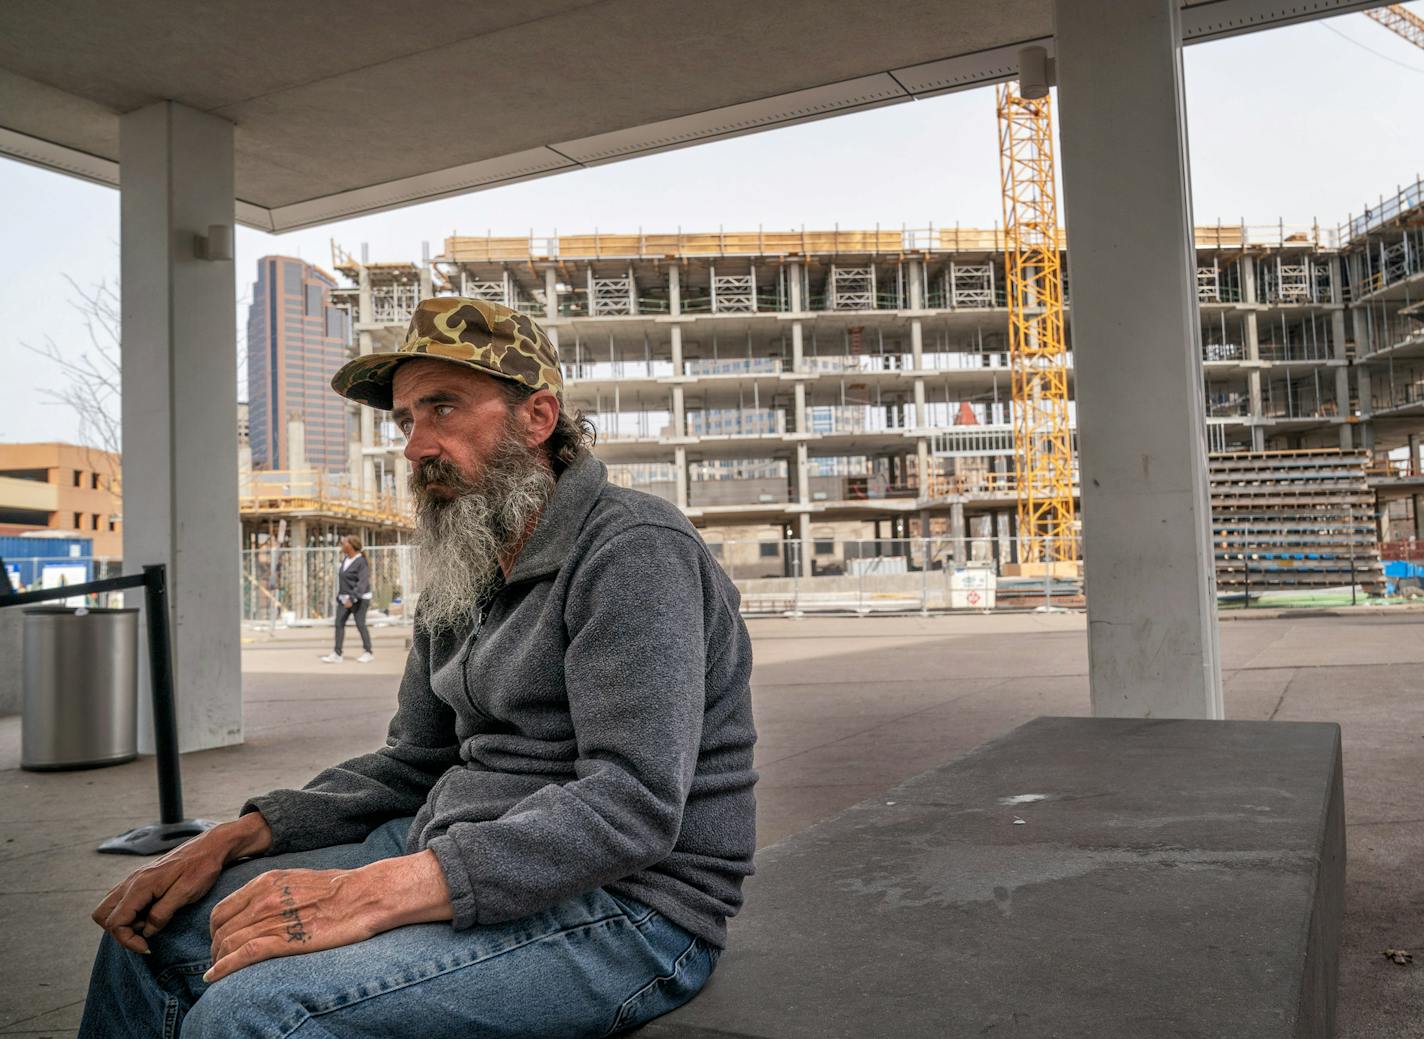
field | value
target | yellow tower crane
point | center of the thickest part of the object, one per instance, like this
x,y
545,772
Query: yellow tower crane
x,y
1038,348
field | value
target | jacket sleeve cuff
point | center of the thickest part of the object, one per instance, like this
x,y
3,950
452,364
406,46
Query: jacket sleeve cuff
x,y
276,820
458,880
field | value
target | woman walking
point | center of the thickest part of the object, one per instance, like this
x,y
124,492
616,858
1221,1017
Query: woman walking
x,y
352,598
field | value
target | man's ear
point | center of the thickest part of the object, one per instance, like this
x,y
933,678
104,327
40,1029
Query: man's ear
x,y
541,415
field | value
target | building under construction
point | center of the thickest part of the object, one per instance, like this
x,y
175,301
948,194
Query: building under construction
x,y
785,384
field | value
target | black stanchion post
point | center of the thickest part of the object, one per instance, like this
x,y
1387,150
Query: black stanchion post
x,y
172,829
165,714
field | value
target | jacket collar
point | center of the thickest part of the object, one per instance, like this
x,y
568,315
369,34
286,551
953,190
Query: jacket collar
x,y
562,520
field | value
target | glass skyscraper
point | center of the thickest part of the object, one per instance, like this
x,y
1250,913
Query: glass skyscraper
x,y
296,339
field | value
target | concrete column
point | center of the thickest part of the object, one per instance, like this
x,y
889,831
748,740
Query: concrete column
x,y
680,475
922,466
1412,441
956,533
917,350
798,341
1342,373
364,477
1253,353
551,304
1366,429
180,471
1003,530
298,536
1248,279
1004,523
402,479
1364,391
354,460
427,276
365,310
675,343
803,496
369,483
800,392
297,463
551,294
917,284
1150,581
679,405
1342,407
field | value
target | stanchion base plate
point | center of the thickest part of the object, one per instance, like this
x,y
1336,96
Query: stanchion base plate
x,y
155,838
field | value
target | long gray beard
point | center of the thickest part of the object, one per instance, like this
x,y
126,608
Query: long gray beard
x,y
459,541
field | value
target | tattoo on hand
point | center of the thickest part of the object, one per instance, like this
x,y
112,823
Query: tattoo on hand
x,y
296,932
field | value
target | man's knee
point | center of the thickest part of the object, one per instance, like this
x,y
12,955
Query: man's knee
x,y
243,1006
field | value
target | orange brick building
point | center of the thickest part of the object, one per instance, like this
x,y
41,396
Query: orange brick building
x,y
62,487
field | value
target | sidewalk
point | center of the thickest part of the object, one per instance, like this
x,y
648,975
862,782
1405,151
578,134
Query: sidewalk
x,y
845,708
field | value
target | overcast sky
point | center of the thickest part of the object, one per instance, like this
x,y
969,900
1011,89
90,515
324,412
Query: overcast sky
x,y
1296,124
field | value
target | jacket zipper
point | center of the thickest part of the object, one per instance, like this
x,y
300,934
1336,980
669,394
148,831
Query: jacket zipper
x,y
480,618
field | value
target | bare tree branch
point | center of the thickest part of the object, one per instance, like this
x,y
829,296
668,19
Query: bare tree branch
x,y
92,374
93,370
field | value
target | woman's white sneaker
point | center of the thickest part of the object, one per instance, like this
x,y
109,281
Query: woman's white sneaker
x,y
331,658
365,658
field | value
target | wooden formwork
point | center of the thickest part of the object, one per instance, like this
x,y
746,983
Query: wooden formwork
x,y
1293,520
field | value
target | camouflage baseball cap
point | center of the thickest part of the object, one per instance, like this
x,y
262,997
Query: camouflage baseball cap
x,y
488,337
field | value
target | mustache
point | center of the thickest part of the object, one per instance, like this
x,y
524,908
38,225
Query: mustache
x,y
441,471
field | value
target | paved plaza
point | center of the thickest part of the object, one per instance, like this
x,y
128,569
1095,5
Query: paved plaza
x,y
845,708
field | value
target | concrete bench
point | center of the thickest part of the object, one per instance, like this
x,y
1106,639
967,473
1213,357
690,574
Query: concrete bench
x,y
1077,877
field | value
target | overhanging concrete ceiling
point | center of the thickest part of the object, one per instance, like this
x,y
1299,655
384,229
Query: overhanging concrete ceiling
x,y
344,108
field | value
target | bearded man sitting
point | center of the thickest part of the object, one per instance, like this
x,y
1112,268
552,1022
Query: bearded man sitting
x,y
552,838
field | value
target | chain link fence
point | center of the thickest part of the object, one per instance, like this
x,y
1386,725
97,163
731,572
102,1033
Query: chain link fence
x,y
892,575
774,575
299,585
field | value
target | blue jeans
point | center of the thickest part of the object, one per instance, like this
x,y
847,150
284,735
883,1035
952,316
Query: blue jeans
x,y
593,966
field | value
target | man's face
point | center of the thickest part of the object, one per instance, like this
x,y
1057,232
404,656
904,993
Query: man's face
x,y
448,414
480,478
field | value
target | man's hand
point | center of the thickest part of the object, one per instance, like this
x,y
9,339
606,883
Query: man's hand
x,y
140,906
286,912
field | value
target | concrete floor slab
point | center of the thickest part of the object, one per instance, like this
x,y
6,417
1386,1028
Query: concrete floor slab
x,y
823,688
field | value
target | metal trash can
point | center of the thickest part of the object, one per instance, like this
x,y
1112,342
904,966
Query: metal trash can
x,y
80,688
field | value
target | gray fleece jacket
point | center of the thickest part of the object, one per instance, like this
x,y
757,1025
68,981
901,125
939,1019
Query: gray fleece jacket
x,y
592,729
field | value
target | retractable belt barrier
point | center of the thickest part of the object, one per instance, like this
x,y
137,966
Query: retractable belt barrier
x,y
172,829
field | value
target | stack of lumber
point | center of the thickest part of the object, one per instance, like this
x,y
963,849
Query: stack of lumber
x,y
1284,520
